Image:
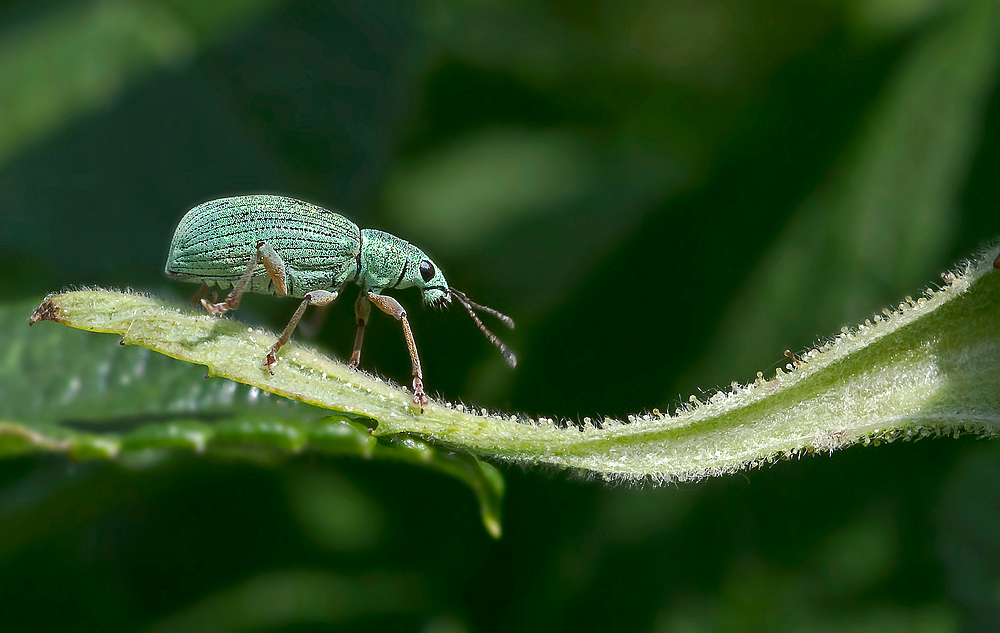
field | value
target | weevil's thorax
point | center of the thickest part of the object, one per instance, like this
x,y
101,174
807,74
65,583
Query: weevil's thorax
x,y
388,262
384,259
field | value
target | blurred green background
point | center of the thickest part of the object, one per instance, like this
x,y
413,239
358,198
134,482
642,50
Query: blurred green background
x,y
665,195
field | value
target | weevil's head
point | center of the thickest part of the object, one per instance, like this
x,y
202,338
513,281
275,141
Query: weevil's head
x,y
425,275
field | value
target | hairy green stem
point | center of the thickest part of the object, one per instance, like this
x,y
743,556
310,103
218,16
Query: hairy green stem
x,y
928,366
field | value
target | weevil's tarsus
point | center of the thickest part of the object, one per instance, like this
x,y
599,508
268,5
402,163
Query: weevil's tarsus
x,y
490,336
317,298
392,307
795,359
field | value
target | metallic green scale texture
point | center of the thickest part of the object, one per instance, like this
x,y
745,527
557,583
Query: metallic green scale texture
x,y
282,246
214,241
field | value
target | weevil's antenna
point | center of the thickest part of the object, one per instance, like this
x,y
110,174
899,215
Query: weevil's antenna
x,y
490,336
509,322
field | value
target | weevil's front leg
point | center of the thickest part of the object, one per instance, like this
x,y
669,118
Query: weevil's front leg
x,y
362,310
275,267
316,298
391,307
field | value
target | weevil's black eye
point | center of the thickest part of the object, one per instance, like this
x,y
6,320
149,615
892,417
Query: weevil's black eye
x,y
426,270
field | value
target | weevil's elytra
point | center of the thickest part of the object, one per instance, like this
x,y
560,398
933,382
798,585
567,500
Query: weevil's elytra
x,y
282,246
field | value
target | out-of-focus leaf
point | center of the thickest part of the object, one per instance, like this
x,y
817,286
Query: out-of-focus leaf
x,y
968,518
286,598
491,182
80,58
887,212
757,596
333,511
882,18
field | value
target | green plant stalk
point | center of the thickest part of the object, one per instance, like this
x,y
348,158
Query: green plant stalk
x,y
927,367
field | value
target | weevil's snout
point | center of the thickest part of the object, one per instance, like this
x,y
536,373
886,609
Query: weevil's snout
x,y
436,296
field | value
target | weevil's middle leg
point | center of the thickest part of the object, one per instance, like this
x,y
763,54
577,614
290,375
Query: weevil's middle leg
x,y
362,310
316,298
275,267
391,307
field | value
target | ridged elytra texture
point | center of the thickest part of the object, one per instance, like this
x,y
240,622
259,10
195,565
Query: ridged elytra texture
x,y
214,242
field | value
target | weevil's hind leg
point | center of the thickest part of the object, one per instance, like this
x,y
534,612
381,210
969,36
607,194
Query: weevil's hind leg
x,y
391,307
362,310
198,296
275,267
316,298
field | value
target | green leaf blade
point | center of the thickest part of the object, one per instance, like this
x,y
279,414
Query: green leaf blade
x,y
84,396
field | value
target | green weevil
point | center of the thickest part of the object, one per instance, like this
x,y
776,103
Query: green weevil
x,y
286,247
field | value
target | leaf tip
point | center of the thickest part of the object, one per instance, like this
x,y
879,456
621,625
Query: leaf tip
x,y
493,526
47,311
